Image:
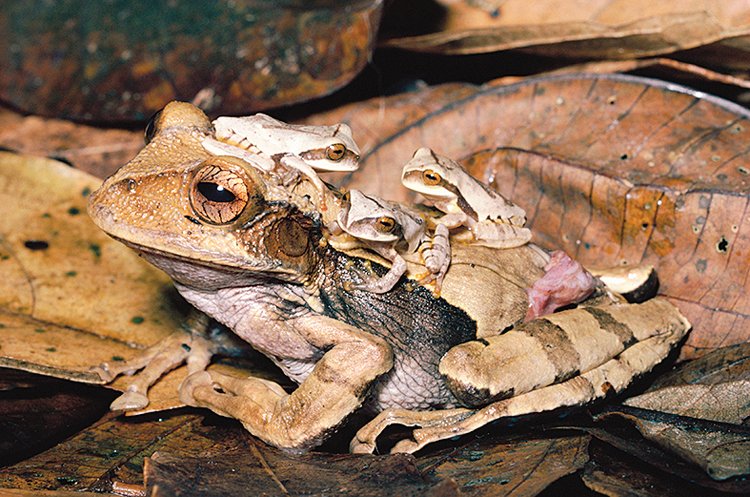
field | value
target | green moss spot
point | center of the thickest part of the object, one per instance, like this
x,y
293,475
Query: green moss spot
x,y
4,257
51,349
95,249
86,192
74,211
67,480
46,215
137,319
40,330
118,358
70,274
2,325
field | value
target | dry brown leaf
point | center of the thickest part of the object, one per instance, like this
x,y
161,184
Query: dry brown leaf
x,y
71,297
611,29
516,468
94,150
612,169
123,62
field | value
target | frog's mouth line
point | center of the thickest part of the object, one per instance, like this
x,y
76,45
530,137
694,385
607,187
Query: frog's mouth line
x,y
249,275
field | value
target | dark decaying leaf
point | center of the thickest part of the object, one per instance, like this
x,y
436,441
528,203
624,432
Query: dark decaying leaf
x,y
124,60
617,474
606,29
615,170
111,450
519,467
663,465
721,449
43,411
700,411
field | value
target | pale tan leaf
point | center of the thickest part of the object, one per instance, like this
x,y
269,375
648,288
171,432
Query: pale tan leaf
x,y
612,29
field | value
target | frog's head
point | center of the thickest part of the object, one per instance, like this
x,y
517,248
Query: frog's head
x,y
325,148
205,220
431,175
364,217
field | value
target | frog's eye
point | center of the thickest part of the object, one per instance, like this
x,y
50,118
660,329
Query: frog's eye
x,y
150,131
218,195
336,152
431,178
385,224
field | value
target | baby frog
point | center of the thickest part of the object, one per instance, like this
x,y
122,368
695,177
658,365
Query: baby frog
x,y
297,149
491,219
387,228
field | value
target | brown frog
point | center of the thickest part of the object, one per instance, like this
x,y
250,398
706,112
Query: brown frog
x,y
253,259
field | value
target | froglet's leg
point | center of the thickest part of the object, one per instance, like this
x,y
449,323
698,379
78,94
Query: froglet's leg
x,y
294,162
437,258
389,279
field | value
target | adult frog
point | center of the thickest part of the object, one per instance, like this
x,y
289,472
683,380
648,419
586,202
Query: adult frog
x,y
254,261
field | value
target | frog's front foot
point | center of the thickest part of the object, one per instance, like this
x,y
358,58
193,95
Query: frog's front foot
x,y
152,364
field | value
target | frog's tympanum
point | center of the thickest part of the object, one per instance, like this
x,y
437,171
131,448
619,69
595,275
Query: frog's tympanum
x,y
255,259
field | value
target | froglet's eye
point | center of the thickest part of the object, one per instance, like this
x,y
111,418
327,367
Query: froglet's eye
x,y
336,151
385,224
431,178
218,195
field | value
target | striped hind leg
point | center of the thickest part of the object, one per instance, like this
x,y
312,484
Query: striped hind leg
x,y
655,329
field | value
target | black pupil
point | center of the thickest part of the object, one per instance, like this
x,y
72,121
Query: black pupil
x,y
214,192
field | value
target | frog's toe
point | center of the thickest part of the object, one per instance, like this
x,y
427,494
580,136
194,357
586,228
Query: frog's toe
x,y
104,372
357,446
189,384
129,401
406,446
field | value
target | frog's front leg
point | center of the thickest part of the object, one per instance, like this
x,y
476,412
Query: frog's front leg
x,y
437,257
298,421
190,345
388,280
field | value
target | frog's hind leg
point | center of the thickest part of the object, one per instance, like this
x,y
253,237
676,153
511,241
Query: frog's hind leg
x,y
611,377
147,367
568,358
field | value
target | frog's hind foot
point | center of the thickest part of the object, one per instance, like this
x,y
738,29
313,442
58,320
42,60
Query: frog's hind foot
x,y
364,442
437,258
